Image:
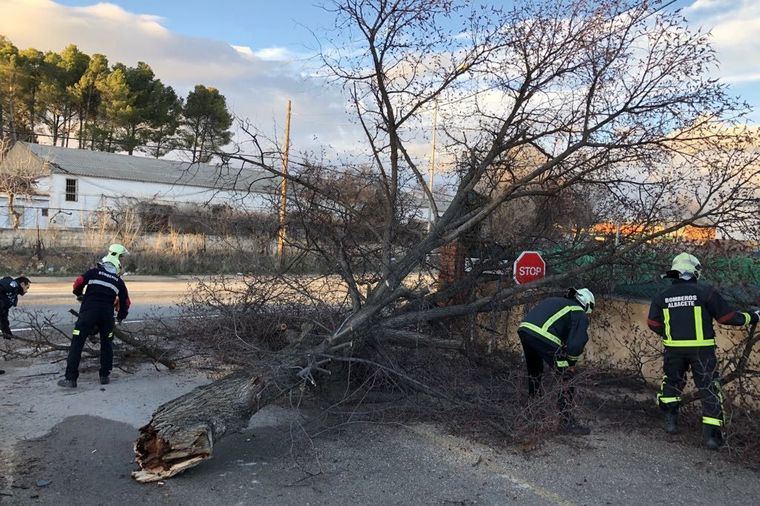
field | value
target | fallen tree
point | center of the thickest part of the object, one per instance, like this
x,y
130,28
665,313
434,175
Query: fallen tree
x,y
152,352
638,140
46,337
182,432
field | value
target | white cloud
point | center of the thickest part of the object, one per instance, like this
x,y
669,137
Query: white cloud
x,y
743,78
275,54
706,5
244,51
734,25
256,82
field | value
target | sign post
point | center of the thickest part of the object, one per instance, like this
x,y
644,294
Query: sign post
x,y
528,267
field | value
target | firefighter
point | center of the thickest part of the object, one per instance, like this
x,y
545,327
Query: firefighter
x,y
10,290
104,285
683,315
555,332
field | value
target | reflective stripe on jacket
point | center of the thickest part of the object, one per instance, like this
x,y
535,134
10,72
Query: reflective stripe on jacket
x,y
683,314
102,290
560,321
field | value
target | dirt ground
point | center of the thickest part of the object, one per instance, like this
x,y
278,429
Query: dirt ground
x,y
64,447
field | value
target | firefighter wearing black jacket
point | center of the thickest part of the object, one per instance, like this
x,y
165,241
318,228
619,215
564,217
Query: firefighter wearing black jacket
x,y
683,316
10,290
555,332
103,286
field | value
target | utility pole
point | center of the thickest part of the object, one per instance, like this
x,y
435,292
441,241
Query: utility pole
x,y
431,172
284,189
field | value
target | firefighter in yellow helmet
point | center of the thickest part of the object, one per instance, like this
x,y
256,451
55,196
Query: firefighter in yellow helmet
x,y
683,315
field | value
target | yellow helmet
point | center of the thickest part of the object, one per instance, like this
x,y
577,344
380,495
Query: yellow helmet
x,y
115,252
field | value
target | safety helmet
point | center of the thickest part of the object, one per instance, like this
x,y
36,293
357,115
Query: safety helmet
x,y
584,297
684,263
115,252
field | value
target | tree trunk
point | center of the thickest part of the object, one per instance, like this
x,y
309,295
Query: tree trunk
x,y
55,129
81,128
182,432
11,119
15,215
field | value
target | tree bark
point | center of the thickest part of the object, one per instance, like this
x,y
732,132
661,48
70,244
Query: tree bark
x,y
15,215
182,432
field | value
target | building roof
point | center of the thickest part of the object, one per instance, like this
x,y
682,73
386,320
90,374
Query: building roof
x,y
82,162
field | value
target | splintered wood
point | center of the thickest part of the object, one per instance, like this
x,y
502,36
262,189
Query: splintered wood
x,y
182,432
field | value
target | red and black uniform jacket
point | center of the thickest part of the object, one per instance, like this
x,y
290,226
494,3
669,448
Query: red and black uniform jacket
x,y
683,314
103,288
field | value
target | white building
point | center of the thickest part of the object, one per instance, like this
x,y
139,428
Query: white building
x,y
72,184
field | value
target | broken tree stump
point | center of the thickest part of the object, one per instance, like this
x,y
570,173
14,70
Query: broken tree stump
x,y
182,432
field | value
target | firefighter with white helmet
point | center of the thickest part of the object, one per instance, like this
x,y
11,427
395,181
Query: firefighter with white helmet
x,y
683,316
555,332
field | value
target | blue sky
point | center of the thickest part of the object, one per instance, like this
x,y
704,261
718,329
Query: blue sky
x,y
253,23
266,24
256,51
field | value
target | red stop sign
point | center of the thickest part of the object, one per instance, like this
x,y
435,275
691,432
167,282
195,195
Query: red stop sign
x,y
528,267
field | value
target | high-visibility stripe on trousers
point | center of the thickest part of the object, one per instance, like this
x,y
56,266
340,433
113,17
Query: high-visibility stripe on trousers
x,y
703,365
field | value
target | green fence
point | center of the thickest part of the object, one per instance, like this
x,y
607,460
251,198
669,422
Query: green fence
x,y
637,275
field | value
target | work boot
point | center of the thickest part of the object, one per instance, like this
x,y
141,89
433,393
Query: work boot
x,y
104,380
571,426
712,437
67,383
671,422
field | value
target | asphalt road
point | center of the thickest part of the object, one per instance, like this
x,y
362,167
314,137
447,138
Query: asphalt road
x,y
62,447
150,295
76,448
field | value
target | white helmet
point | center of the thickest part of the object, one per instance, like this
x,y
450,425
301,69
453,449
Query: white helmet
x,y
684,265
584,297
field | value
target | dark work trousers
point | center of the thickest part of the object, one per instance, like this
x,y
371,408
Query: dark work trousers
x,y
89,318
703,365
537,352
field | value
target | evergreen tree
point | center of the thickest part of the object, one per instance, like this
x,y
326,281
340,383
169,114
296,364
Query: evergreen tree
x,y
206,123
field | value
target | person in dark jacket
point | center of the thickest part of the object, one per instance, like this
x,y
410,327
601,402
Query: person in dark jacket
x,y
555,332
683,316
103,287
10,290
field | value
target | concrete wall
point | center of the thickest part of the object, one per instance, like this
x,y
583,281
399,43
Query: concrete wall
x,y
619,337
96,241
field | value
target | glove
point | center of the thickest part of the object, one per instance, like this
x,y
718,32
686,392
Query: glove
x,y
80,298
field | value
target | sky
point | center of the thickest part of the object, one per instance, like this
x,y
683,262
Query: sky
x,y
260,53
